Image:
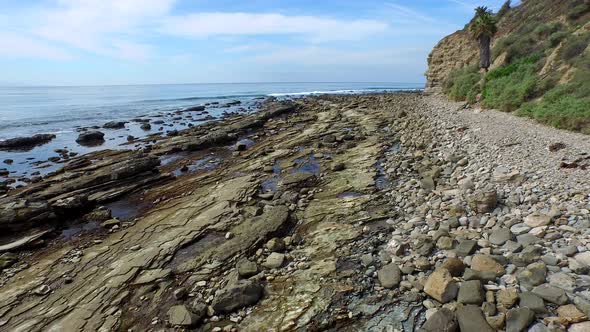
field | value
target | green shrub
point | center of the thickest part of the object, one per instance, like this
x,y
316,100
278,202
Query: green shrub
x,y
565,112
508,87
547,29
578,11
574,46
565,106
557,37
463,84
504,9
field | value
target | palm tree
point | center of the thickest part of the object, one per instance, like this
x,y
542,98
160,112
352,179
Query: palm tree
x,y
483,28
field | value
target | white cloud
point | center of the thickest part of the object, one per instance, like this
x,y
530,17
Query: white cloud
x,y
18,46
202,25
320,56
408,13
106,27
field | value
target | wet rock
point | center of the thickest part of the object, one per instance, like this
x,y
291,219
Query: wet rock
x,y
518,319
441,321
551,294
298,178
98,215
180,293
7,260
243,293
26,143
389,276
114,125
485,263
471,292
484,202
42,290
24,241
440,286
274,260
179,315
471,318
246,268
111,223
337,167
199,108
90,138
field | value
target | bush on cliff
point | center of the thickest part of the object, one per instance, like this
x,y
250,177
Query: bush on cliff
x,y
566,106
508,87
463,84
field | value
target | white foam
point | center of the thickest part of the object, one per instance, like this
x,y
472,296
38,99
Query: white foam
x,y
307,93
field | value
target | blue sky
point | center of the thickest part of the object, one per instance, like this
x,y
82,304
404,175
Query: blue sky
x,y
93,42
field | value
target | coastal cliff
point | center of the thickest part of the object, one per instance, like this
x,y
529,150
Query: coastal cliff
x,y
455,51
540,64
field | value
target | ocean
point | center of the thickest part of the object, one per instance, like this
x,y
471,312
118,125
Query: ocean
x,y
25,111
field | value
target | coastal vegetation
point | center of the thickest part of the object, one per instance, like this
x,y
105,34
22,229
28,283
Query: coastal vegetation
x,y
540,68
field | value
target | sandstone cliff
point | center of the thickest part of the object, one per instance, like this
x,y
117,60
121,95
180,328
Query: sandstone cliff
x,y
452,52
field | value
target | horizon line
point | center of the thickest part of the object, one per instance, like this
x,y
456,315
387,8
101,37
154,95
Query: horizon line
x,y
202,83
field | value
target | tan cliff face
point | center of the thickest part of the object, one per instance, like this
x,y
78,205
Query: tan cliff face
x,y
454,51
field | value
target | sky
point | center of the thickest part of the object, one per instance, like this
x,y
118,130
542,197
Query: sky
x,y
108,42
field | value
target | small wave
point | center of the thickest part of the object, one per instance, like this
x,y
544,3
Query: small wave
x,y
354,91
252,95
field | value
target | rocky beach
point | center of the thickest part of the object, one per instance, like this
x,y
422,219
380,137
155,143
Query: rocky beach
x,y
378,212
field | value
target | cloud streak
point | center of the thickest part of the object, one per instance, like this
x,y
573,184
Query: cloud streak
x,y
317,29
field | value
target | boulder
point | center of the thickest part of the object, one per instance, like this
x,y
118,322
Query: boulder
x,y
484,202
389,276
274,260
114,125
471,318
485,263
440,286
246,268
441,321
243,293
507,297
25,143
275,245
518,319
551,294
179,315
570,314
532,301
90,138
537,220
500,236
471,292
454,265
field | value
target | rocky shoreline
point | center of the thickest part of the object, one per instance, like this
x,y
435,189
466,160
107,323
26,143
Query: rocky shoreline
x,y
335,213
